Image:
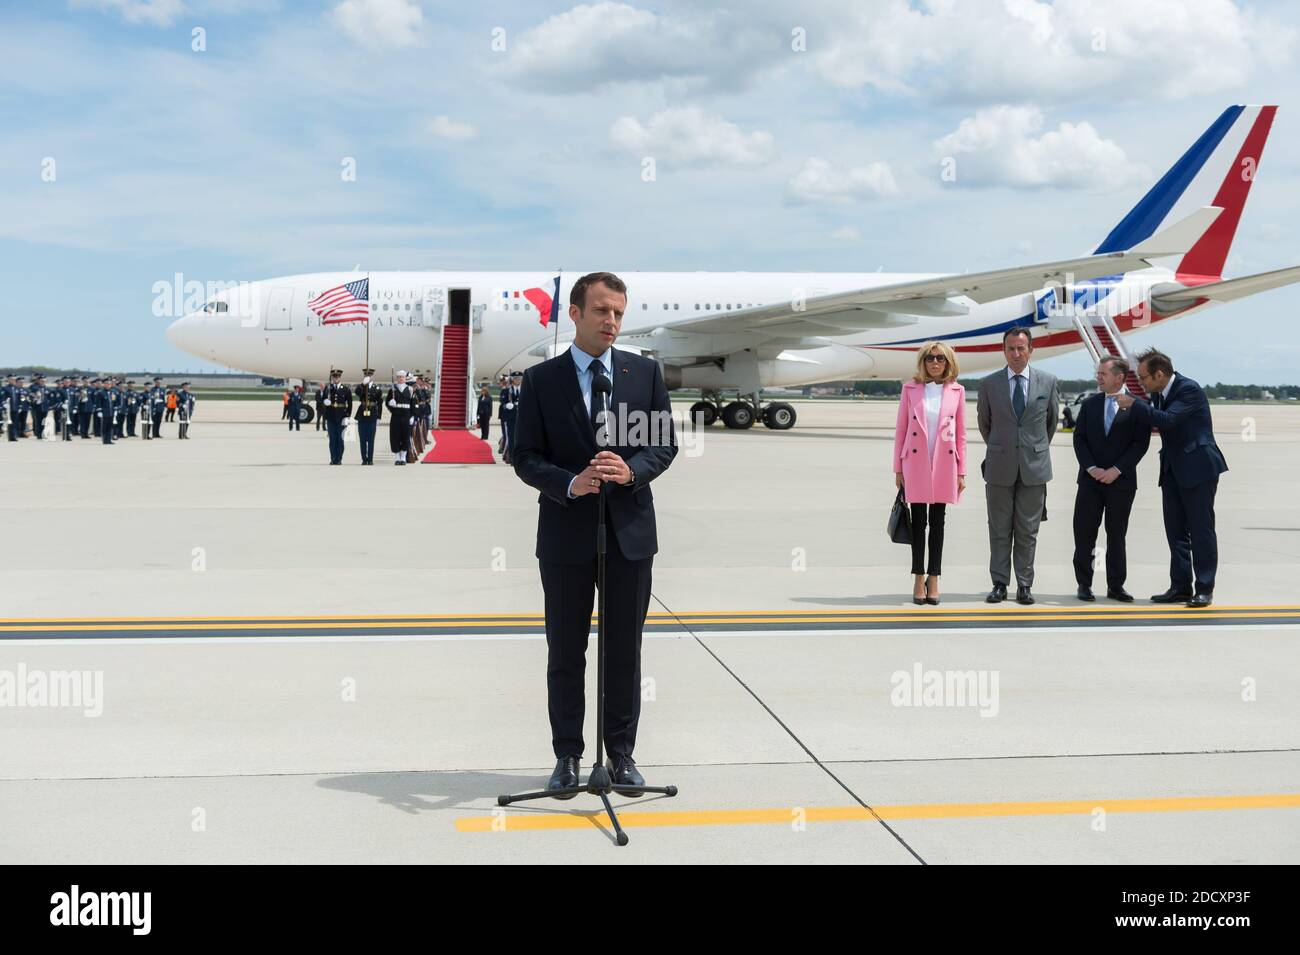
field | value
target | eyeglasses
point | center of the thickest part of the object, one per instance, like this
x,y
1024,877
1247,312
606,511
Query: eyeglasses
x,y
942,358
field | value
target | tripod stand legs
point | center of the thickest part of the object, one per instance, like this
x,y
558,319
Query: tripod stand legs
x,y
598,784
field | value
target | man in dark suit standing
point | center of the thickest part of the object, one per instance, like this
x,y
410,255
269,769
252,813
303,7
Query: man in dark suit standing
x,y
1108,443
1190,465
556,450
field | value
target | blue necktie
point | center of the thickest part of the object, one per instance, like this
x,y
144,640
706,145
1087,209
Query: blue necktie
x,y
1018,399
1110,413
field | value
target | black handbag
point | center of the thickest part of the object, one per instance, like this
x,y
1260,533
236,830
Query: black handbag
x,y
900,521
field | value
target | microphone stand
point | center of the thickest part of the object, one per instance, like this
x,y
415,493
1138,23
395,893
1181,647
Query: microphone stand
x,y
599,782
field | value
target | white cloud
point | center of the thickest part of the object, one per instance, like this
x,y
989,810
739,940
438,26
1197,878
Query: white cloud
x,y
688,136
1002,50
379,24
592,45
1003,146
820,181
159,13
446,128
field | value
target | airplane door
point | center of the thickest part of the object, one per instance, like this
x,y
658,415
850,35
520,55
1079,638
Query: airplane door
x,y
279,310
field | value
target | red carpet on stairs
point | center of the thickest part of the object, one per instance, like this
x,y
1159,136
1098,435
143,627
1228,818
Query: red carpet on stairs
x,y
457,446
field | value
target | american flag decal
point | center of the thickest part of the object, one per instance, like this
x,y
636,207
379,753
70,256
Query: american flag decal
x,y
344,303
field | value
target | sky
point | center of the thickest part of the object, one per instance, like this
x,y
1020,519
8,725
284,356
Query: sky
x,y
219,141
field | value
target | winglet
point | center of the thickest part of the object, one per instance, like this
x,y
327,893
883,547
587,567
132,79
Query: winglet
x,y
1179,237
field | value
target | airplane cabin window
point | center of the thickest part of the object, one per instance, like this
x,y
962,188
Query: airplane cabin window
x,y
674,306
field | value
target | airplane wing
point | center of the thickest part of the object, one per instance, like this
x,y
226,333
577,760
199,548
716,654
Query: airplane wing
x,y
839,313
1229,289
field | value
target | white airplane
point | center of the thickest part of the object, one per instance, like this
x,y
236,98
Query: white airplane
x,y
744,331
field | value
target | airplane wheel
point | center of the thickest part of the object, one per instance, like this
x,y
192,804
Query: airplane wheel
x,y
704,413
738,415
305,415
779,416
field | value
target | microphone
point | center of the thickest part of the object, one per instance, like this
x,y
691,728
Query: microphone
x,y
601,385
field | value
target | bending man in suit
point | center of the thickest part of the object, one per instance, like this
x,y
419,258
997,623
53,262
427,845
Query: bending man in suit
x,y
1109,443
1018,413
556,450
1190,465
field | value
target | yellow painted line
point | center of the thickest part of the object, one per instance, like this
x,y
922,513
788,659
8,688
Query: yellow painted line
x,y
700,615
297,624
532,821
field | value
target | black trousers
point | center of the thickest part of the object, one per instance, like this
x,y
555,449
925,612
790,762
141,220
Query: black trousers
x,y
1189,529
399,432
483,425
919,521
1094,503
570,595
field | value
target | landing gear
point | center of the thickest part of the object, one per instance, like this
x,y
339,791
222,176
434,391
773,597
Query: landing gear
x,y
739,415
779,416
743,413
704,413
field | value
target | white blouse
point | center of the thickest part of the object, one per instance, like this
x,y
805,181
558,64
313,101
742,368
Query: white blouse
x,y
933,401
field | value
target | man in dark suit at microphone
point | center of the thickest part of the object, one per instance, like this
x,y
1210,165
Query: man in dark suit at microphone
x,y
566,448
1108,444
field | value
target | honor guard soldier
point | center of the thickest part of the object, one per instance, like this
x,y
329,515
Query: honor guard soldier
x,y
509,405
132,400
338,408
18,409
370,408
295,408
11,399
38,405
107,411
119,408
401,415
157,402
185,409
58,399
97,388
85,406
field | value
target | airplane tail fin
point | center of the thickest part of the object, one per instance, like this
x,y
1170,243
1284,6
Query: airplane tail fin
x,y
1217,170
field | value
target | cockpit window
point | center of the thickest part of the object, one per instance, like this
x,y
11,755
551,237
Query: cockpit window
x,y
211,307
223,306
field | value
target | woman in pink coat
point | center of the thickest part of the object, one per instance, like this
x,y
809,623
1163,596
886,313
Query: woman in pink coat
x,y
930,458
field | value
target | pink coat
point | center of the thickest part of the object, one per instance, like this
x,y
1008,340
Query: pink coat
x,y
927,481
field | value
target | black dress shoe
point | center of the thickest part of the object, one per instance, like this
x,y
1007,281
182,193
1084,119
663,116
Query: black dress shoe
x,y
997,594
1171,596
1200,600
1120,594
623,771
565,775
1023,596
1085,593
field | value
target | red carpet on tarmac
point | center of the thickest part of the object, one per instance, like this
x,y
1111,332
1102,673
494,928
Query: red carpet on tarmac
x,y
458,446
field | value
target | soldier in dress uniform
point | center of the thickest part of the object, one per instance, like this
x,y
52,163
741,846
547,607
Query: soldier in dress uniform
x,y
58,399
107,410
185,410
85,406
369,409
319,395
338,408
157,401
424,413
37,405
509,404
132,400
401,415
11,398
119,407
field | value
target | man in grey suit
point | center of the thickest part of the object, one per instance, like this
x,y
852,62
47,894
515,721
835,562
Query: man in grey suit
x,y
1018,413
